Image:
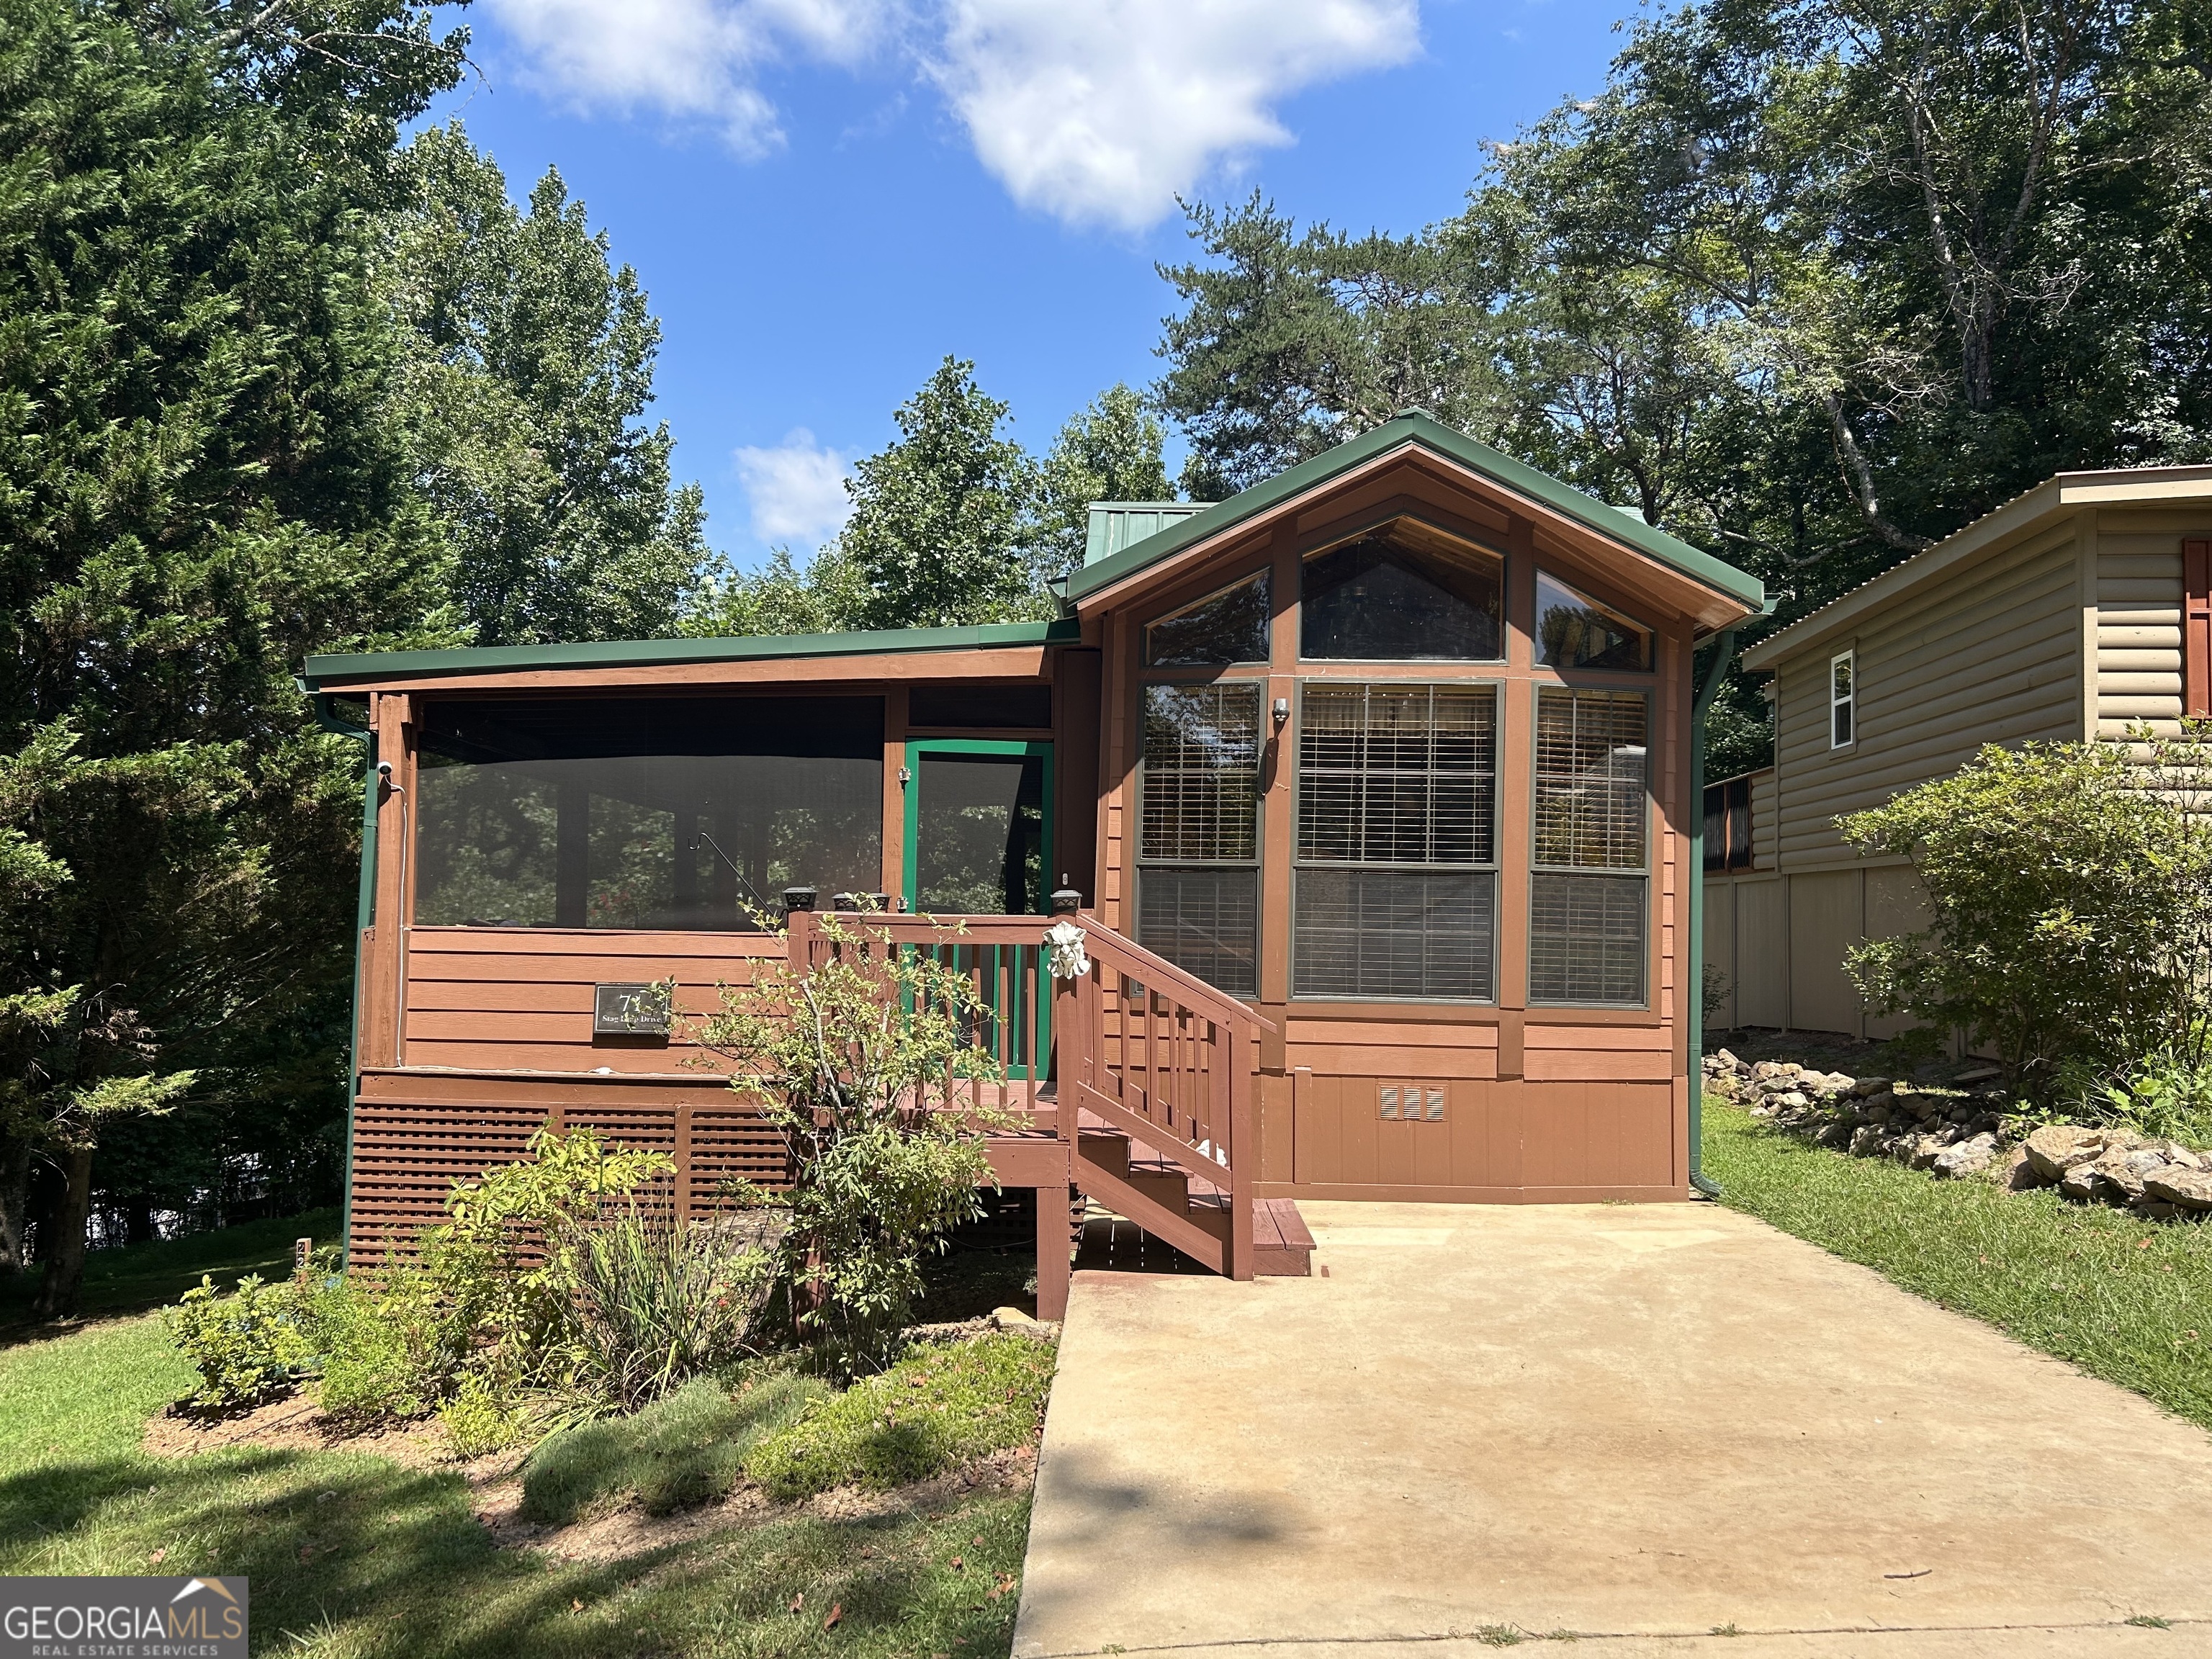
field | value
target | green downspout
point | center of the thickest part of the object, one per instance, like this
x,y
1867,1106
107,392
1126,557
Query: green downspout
x,y
1724,653
364,914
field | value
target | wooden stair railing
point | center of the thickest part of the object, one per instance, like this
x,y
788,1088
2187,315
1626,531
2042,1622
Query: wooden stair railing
x,y
1148,1072
1165,1063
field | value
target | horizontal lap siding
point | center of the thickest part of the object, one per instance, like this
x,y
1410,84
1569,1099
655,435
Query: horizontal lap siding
x,y
487,999
1987,654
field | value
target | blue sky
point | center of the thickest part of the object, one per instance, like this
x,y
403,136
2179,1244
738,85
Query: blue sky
x,y
823,197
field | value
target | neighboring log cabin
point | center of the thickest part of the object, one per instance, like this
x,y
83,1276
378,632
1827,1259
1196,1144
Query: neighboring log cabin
x,y
2080,609
1373,788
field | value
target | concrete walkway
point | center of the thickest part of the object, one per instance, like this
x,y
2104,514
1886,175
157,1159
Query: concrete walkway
x,y
1637,1423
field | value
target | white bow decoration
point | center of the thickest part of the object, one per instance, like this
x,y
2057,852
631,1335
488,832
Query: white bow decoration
x,y
1065,957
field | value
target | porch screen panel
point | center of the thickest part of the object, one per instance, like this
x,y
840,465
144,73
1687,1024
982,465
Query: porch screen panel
x,y
1394,893
646,812
1198,842
1589,893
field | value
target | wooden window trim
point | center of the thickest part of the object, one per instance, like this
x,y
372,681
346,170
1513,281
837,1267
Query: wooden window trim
x,y
1493,867
2197,630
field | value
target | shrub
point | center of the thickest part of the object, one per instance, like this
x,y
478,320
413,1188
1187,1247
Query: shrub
x,y
2070,888
391,1351
867,1062
250,1346
478,1418
686,1449
936,1408
659,1299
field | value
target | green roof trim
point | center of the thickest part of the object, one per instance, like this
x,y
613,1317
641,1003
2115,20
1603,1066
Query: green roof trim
x,y
1415,428
327,672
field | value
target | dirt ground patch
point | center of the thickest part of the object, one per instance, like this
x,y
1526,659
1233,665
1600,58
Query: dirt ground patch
x,y
297,1424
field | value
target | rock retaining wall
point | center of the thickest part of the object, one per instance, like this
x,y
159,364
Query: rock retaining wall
x,y
1955,1133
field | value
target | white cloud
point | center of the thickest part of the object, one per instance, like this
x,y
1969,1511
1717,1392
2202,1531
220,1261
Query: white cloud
x,y
797,489
691,59
1101,112
1096,111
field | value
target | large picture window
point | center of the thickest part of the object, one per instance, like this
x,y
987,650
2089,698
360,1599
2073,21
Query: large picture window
x,y
676,812
1588,894
1198,846
1394,895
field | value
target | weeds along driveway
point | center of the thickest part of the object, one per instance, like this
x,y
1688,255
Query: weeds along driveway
x,y
1627,1422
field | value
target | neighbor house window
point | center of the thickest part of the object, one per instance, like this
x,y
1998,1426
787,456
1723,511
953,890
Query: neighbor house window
x,y
1575,632
1227,626
1407,592
1843,699
1198,837
1588,895
679,813
1394,893
2197,630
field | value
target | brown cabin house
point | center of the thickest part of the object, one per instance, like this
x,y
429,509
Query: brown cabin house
x,y
1374,787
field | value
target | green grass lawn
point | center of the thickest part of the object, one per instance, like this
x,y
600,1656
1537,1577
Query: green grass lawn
x,y
2126,1299
142,1276
351,1554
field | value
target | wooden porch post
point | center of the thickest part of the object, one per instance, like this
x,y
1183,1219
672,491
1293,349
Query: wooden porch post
x,y
1052,1243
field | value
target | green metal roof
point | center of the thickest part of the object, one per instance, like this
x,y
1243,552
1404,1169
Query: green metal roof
x,y
1414,427
1116,525
328,672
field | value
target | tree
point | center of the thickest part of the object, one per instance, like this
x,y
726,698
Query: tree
x,y
940,517
1809,283
1112,450
200,483
522,393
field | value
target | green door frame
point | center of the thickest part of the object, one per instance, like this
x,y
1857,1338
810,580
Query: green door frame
x,y
1031,1066
1040,748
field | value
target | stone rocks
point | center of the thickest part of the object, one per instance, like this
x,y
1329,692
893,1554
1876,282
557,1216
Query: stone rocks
x,y
2057,1148
1955,1135
1965,1157
2180,1185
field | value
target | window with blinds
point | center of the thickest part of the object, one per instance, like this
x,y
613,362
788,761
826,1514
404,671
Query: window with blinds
x,y
1198,840
1588,895
1394,891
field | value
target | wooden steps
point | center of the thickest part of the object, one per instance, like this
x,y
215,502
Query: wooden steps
x,y
1134,1184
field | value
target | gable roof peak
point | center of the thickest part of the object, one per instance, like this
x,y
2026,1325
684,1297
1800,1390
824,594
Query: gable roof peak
x,y
1408,428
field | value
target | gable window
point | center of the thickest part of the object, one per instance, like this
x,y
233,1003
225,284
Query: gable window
x,y
1574,632
1229,626
1198,839
1407,592
1394,893
2197,630
1588,897
1843,699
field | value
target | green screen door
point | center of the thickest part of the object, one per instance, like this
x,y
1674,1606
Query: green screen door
x,y
977,835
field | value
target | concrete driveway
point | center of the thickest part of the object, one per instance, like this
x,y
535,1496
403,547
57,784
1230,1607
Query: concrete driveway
x,y
1636,1424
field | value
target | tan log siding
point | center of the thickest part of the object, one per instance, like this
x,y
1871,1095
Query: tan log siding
x,y
2139,618
1762,819
1986,655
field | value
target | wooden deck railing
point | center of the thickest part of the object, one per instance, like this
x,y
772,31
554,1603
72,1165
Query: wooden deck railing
x,y
1169,1060
1143,1046
1002,957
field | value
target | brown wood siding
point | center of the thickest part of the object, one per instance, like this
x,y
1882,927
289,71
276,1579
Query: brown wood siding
x,y
520,999
1986,654
1502,1141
